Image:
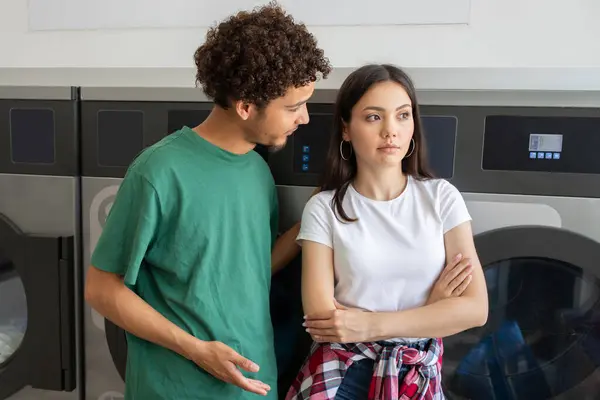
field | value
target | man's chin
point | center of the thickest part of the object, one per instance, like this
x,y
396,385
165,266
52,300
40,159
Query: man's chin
x,y
275,147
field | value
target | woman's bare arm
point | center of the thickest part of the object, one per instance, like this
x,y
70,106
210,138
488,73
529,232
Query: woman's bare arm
x,y
448,316
317,277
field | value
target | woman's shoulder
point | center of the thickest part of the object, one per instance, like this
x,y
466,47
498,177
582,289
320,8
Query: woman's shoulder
x,y
436,188
320,201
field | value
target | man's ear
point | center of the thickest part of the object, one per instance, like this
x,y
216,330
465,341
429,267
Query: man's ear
x,y
243,109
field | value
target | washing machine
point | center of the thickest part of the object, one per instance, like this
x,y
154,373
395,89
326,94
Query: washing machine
x,y
527,165
297,170
40,291
116,125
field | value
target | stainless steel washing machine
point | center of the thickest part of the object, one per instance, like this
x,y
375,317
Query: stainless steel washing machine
x,y
117,124
528,167
297,170
40,294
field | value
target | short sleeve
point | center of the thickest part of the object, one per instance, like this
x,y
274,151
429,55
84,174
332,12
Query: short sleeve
x,y
316,222
130,229
453,210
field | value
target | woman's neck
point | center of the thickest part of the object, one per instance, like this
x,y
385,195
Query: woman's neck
x,y
382,184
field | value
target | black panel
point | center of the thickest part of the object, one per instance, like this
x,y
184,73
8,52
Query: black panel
x,y
32,135
542,337
311,142
553,144
39,137
470,175
114,133
440,139
189,118
120,137
46,357
302,160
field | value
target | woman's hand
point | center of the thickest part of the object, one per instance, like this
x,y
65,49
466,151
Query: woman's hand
x,y
453,280
342,325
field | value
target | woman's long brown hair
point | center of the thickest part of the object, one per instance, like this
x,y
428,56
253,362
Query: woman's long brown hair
x,y
339,173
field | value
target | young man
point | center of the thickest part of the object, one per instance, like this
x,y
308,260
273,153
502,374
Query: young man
x,y
184,262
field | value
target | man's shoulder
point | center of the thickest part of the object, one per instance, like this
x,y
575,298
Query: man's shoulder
x,y
164,153
169,162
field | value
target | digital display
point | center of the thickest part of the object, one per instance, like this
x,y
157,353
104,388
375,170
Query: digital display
x,y
548,144
545,142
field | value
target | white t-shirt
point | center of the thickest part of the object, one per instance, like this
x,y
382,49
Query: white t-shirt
x,y
390,258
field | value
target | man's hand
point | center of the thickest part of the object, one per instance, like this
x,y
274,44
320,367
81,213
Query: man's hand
x,y
342,325
222,362
453,280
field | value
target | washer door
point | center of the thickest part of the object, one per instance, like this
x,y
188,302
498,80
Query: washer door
x,y
37,329
542,338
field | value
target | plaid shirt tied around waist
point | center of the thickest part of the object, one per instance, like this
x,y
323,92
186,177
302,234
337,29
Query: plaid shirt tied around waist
x,y
324,370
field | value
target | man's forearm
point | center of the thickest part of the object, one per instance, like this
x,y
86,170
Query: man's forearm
x,y
285,249
127,310
443,318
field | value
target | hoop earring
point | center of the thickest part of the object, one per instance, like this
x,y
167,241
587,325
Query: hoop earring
x,y
342,151
414,145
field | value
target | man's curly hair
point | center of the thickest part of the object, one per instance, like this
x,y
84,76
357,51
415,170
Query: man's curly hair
x,y
257,56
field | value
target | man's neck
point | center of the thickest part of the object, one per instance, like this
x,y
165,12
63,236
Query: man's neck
x,y
220,129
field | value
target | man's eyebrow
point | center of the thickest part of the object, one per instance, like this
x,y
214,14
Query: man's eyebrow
x,y
298,104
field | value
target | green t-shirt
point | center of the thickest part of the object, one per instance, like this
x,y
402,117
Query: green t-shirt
x,y
191,230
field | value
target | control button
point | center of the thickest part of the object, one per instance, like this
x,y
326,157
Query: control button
x,y
540,154
556,156
304,167
305,149
532,154
305,158
548,156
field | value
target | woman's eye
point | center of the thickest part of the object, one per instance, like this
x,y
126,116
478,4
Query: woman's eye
x,y
372,117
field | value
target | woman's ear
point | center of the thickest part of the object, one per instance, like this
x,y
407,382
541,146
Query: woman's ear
x,y
345,135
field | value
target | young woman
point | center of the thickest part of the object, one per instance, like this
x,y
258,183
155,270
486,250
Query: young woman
x,y
375,241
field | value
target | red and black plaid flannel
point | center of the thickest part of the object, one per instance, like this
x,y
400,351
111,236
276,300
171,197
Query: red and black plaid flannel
x,y
324,370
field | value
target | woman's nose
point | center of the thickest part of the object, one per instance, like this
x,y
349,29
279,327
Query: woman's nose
x,y
389,131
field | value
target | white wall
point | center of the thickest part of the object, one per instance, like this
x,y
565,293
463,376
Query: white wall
x,y
502,33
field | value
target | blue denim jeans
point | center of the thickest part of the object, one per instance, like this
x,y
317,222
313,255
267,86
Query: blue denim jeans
x,y
357,381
